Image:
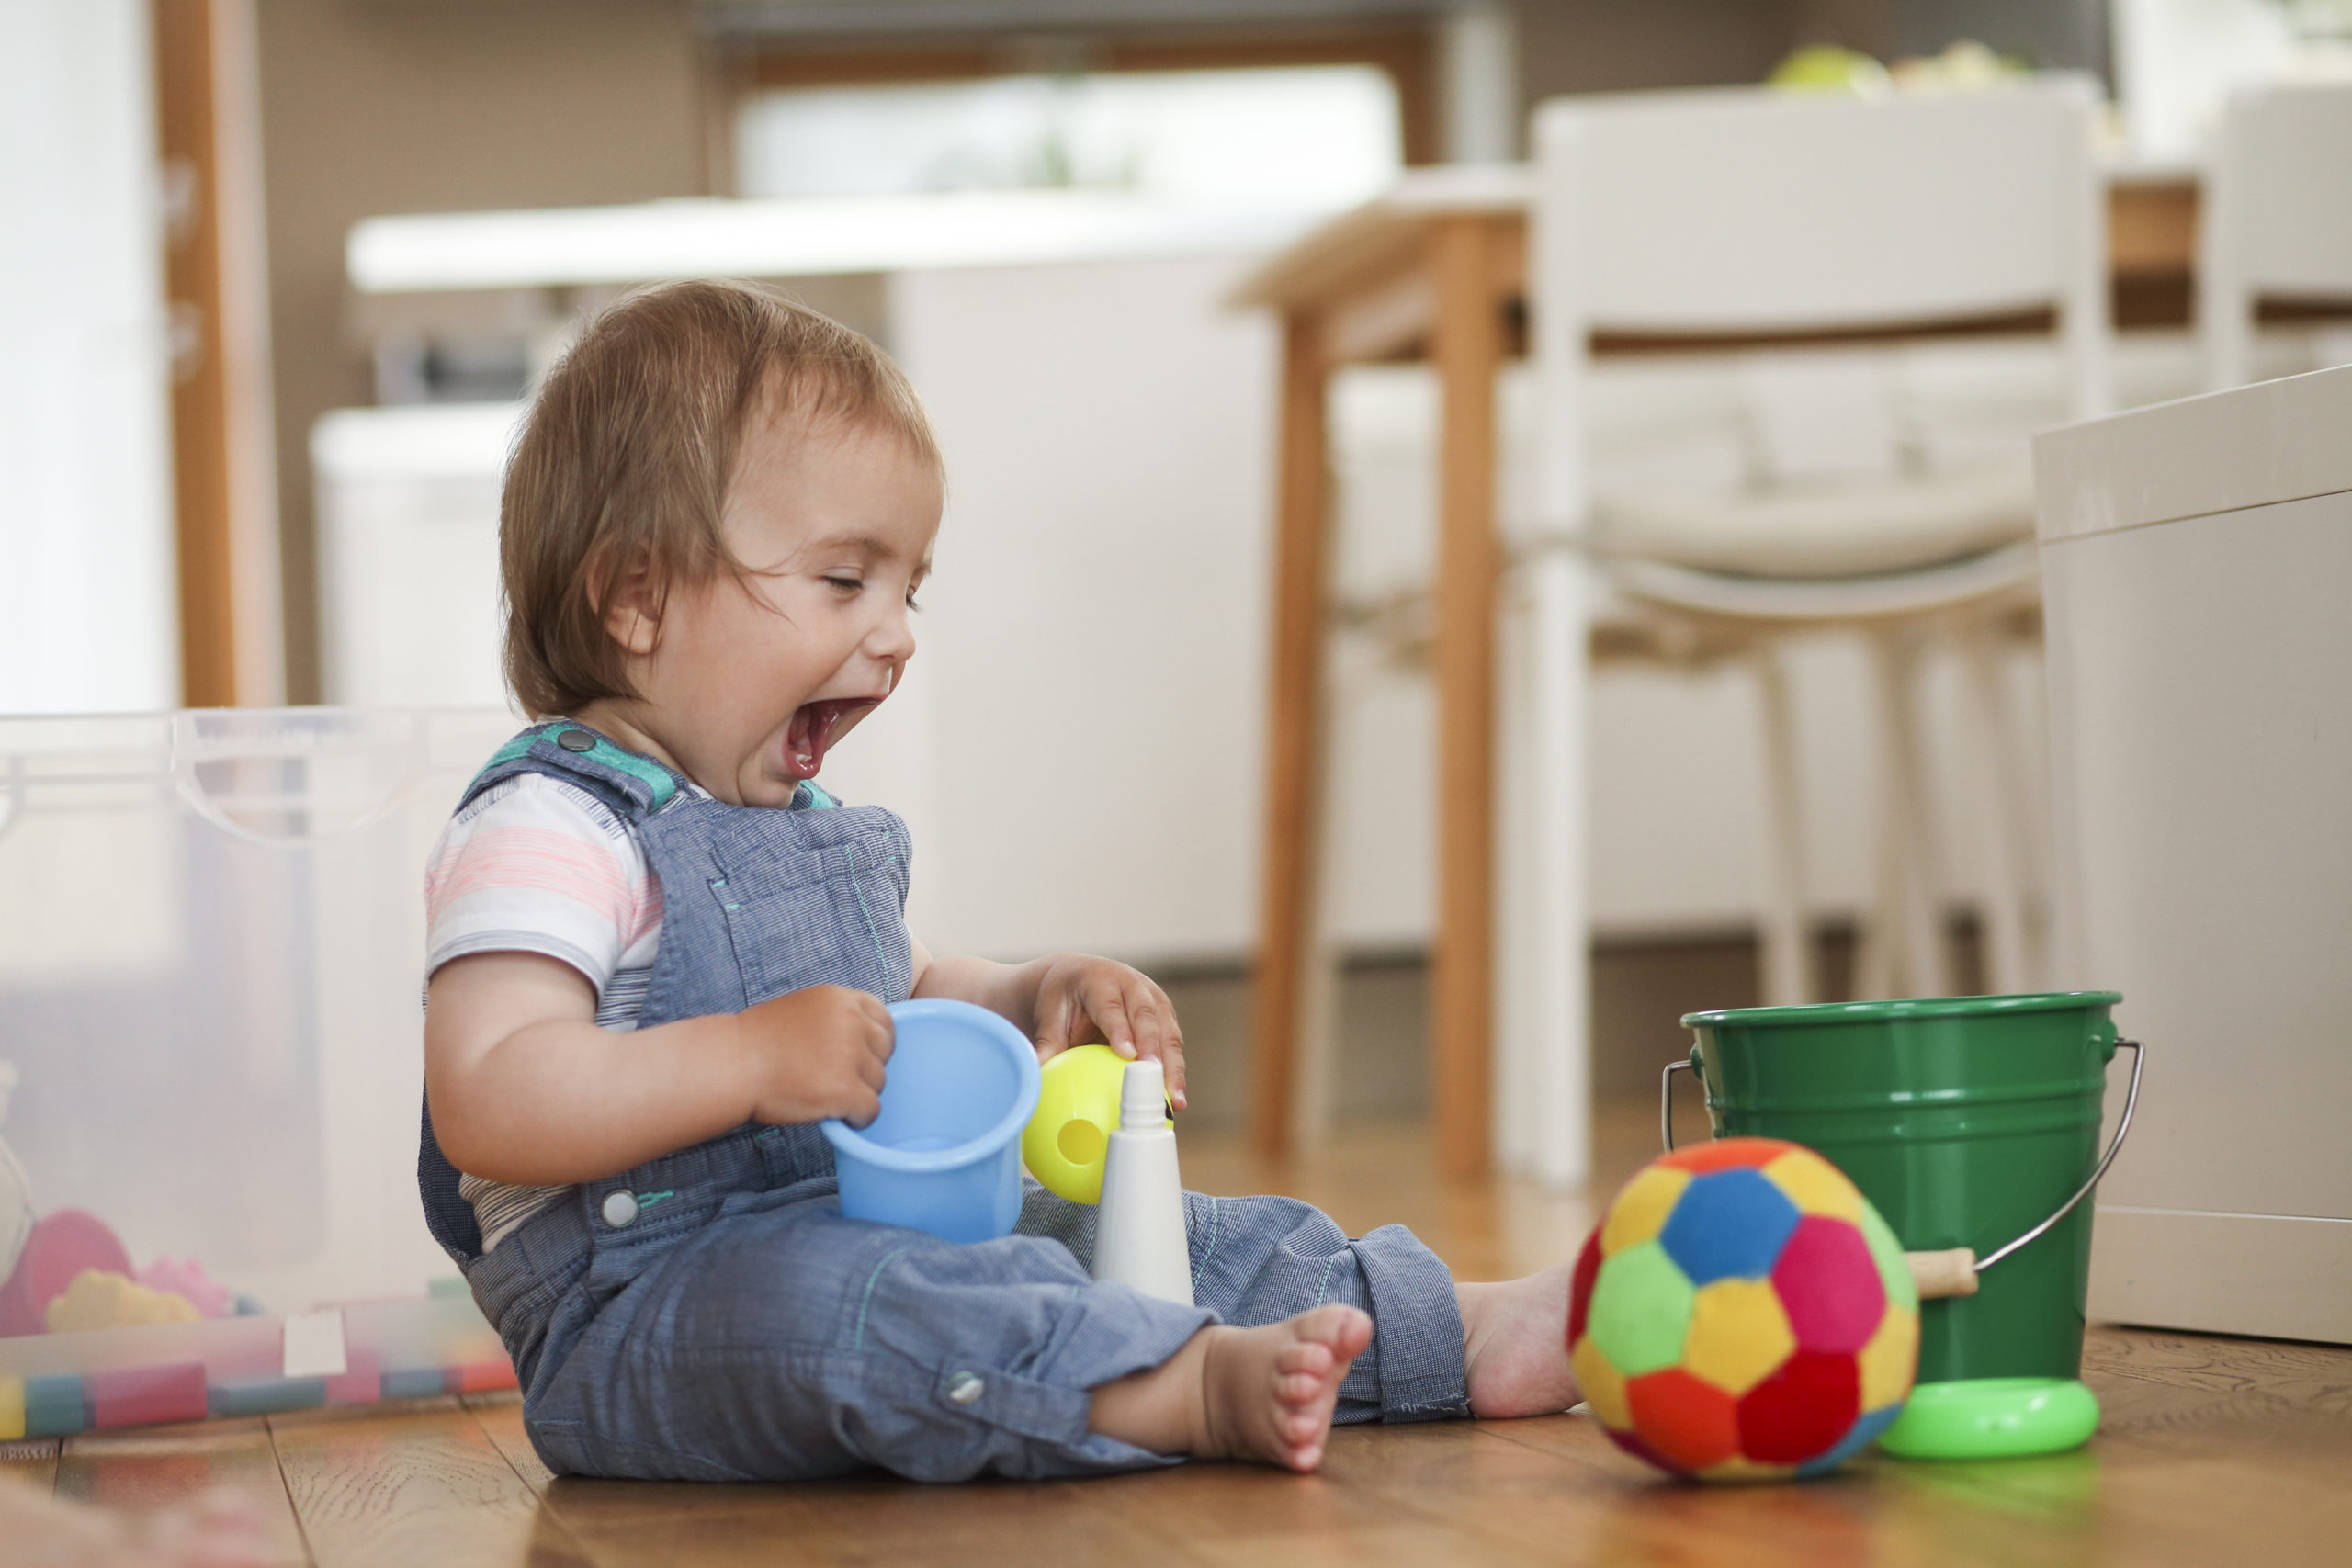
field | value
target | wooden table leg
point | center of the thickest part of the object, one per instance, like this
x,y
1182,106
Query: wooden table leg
x,y
1468,350
1293,741
224,519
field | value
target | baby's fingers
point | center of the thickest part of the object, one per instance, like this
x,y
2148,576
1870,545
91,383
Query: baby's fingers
x,y
1158,1038
1061,1020
861,1105
1098,995
881,1029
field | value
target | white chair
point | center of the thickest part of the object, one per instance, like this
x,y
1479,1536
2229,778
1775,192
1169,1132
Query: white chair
x,y
2278,219
1734,218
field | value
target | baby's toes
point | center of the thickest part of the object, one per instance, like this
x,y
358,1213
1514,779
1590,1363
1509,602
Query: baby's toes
x,y
1343,1330
1311,1357
1299,1388
1300,1439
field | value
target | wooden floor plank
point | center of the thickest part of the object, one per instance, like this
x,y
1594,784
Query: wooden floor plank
x,y
865,1520
1414,1495
1384,1175
1555,1489
2216,1450
142,1471
1232,1514
32,1460
419,1484
874,1522
2288,1403
2013,1514
2212,1485
499,1415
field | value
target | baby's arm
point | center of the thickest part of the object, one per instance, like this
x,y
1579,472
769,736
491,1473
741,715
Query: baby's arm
x,y
526,1088
1065,999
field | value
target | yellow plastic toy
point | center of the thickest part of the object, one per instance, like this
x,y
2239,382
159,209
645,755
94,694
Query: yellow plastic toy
x,y
1065,1142
99,1298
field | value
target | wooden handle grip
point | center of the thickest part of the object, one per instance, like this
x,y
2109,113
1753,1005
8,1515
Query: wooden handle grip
x,y
1939,1274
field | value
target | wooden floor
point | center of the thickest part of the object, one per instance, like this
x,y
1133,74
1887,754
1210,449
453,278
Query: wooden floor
x,y
2212,1451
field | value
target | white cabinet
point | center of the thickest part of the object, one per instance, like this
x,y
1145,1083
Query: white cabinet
x,y
2197,575
407,553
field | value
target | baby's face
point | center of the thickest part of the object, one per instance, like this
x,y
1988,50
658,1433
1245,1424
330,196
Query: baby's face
x,y
754,681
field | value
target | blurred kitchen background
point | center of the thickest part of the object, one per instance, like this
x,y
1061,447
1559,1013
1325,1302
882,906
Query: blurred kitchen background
x,y
276,276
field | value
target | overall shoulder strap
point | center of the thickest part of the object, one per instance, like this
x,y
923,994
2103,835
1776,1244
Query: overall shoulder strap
x,y
637,786
634,787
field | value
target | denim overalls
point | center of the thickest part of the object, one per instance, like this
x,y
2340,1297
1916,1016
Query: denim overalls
x,y
710,1314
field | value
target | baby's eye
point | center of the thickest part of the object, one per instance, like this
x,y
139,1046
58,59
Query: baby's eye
x,y
846,584
910,601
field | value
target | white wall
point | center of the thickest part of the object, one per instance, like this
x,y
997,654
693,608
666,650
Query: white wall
x,y
89,616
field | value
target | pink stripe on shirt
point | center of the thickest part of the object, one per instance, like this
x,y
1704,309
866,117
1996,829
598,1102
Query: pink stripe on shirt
x,y
502,858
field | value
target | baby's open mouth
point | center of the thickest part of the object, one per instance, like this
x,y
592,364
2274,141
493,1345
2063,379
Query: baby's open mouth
x,y
812,729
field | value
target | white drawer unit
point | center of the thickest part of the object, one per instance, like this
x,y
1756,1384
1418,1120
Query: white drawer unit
x,y
2197,565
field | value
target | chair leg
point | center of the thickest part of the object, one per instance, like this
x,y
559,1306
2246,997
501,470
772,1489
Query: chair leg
x,y
2029,740
1317,1051
1879,966
2005,863
1318,1033
1519,957
1908,958
1542,1058
1560,679
1788,966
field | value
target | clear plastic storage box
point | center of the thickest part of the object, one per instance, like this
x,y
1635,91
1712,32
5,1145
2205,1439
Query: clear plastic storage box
x,y
211,951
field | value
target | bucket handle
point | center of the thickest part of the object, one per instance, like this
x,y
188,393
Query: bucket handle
x,y
1974,1264
1666,1102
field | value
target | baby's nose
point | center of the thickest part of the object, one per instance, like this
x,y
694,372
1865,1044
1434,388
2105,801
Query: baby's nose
x,y
893,641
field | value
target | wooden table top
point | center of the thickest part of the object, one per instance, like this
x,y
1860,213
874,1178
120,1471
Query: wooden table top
x,y
1364,271
1364,243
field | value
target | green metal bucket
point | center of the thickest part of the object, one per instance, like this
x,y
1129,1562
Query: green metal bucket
x,y
1968,1122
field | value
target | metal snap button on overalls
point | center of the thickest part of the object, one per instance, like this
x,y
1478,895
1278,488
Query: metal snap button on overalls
x,y
966,1388
576,740
620,1207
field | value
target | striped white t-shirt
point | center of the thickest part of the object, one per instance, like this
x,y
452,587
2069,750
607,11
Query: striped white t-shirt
x,y
537,864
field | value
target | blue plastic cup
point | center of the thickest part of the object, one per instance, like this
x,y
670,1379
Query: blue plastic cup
x,y
944,1154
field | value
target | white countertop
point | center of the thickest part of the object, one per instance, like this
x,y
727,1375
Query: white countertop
x,y
712,237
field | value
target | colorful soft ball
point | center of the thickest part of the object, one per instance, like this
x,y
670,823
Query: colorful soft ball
x,y
1742,1313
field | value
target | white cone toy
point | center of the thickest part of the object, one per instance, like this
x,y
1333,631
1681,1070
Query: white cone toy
x,y
1139,1229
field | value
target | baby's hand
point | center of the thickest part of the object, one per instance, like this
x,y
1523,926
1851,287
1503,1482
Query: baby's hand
x,y
816,1053
1082,1000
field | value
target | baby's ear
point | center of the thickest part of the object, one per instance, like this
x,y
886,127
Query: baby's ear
x,y
630,594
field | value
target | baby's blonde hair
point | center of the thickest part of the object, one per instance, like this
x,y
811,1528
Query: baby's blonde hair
x,y
627,454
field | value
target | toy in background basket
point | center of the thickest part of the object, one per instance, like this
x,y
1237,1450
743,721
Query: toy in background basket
x,y
1741,1312
69,1272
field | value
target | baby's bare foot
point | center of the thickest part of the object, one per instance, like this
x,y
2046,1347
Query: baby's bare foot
x,y
1268,1392
1515,1345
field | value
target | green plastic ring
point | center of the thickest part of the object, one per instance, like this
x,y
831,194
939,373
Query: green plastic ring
x,y
1993,1418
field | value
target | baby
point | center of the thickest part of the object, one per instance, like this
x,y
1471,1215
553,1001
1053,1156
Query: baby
x,y
659,954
